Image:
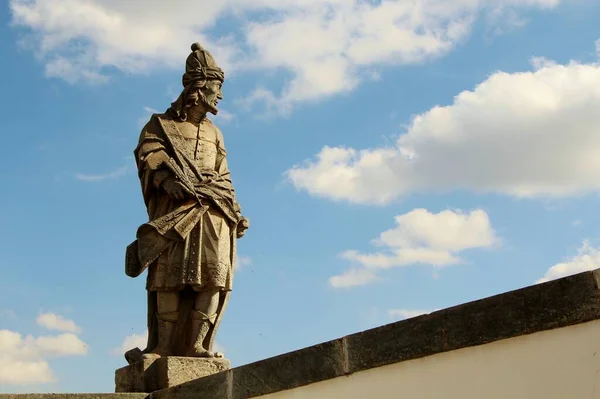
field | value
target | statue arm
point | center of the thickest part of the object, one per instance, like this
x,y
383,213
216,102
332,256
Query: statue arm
x,y
153,164
154,167
223,170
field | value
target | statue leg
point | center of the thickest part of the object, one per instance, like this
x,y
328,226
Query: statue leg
x,y
203,317
167,314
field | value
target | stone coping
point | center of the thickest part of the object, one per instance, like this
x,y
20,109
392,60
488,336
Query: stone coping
x,y
73,396
558,303
554,304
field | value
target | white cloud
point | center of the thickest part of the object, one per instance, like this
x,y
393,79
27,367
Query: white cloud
x,y
400,314
218,348
61,345
7,313
587,258
420,237
326,46
528,134
151,111
448,230
224,116
502,21
115,174
72,71
242,261
268,99
148,111
57,322
130,342
23,360
83,36
15,371
330,46
402,257
542,62
353,278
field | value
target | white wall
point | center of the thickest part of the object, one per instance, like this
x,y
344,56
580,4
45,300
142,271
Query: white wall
x,y
556,364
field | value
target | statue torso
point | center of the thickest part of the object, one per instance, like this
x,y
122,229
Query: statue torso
x,y
200,143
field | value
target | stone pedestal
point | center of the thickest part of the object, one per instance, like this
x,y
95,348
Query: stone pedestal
x,y
155,374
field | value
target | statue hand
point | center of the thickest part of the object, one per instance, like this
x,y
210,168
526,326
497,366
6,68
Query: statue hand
x,y
175,189
242,226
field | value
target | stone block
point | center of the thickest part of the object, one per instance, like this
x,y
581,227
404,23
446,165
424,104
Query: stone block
x,y
290,370
216,386
559,303
73,396
151,375
132,378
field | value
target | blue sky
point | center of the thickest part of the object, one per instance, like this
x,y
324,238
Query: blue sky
x,y
393,158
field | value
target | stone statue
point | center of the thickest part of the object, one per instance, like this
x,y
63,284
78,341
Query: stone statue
x,y
189,243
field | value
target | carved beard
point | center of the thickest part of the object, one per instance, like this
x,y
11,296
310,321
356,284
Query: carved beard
x,y
209,107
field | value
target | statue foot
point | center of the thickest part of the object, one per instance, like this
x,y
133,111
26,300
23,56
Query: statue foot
x,y
147,356
155,354
200,352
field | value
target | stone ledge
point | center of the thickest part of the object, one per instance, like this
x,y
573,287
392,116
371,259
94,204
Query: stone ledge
x,y
216,386
155,374
559,303
73,396
290,370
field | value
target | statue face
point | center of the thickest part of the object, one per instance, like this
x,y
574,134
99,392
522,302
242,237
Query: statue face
x,y
212,93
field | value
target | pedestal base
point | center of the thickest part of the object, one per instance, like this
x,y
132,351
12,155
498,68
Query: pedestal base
x,y
165,372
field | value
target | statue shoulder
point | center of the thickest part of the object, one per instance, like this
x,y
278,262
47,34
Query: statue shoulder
x,y
216,130
156,118
153,129
153,125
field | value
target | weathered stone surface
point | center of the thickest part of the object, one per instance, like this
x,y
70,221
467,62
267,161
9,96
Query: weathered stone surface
x,y
178,370
216,386
74,396
313,364
187,188
133,377
156,374
408,339
559,303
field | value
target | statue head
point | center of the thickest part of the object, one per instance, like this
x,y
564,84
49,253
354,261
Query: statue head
x,y
202,83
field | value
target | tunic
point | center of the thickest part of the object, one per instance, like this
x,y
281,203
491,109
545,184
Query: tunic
x,y
188,242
